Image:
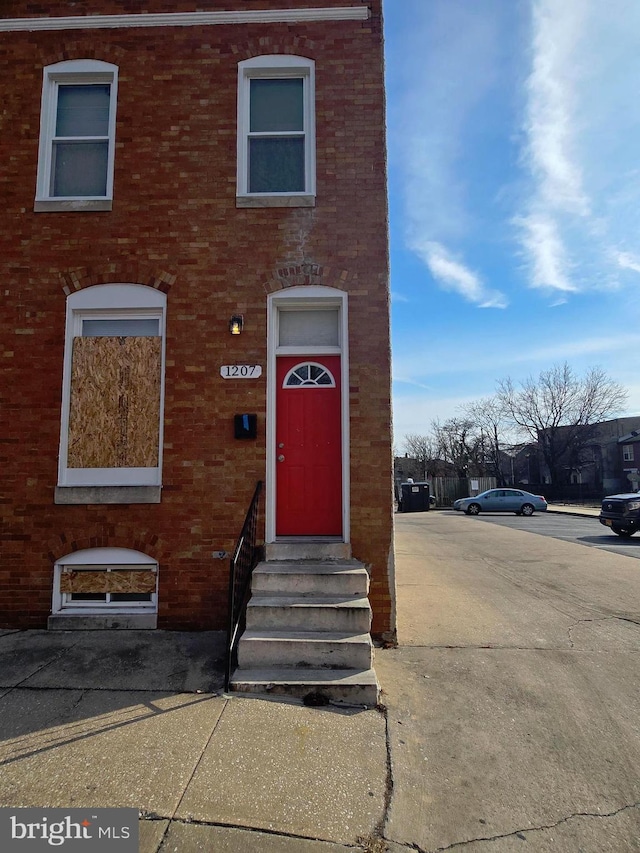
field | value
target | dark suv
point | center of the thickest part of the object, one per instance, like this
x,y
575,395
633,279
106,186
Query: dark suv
x,y
621,513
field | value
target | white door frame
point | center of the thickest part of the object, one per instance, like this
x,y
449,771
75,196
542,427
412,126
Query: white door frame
x,y
305,297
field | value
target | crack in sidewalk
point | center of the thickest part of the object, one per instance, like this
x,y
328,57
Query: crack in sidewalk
x,y
374,843
153,817
521,833
172,817
42,667
598,619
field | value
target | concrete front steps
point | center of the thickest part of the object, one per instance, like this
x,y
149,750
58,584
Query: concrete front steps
x,y
307,630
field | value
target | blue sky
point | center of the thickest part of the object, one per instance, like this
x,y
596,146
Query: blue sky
x,y
514,191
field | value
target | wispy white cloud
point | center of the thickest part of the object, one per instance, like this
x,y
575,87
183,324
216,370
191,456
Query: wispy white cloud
x,y
627,261
399,297
547,252
580,120
550,151
551,121
413,383
449,66
455,276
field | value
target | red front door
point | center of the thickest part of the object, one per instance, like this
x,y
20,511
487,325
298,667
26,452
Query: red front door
x,y
308,447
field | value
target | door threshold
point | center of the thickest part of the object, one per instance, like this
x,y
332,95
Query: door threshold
x,y
308,548
304,539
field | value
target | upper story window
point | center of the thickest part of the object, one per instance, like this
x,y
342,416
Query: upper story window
x,y
77,136
627,452
276,132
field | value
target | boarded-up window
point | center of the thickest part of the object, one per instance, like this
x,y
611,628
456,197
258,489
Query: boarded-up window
x,y
114,418
123,580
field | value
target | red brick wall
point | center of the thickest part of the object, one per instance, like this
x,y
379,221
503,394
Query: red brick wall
x,y
174,225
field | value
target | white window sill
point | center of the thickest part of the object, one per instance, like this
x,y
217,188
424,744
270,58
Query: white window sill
x,y
107,495
72,205
283,200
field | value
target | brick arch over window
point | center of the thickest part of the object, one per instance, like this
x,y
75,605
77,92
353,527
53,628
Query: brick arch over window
x,y
69,541
65,55
267,45
133,273
72,51
307,273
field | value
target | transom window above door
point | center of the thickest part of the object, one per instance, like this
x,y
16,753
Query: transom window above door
x,y
317,327
309,374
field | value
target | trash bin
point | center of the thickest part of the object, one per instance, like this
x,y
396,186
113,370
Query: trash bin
x,y
415,497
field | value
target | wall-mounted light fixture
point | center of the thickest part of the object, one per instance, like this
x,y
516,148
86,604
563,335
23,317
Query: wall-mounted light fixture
x,y
236,323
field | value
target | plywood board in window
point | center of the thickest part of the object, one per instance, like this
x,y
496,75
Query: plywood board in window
x,y
134,580
114,419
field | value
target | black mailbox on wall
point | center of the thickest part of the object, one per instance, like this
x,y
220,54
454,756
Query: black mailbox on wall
x,y
245,426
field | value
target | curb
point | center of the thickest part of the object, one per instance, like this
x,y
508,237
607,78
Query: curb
x,y
575,512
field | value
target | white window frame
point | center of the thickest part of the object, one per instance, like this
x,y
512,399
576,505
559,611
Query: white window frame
x,y
102,559
627,452
276,67
109,301
73,72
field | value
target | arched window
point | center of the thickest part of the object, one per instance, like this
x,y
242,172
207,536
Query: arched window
x,y
99,581
111,430
307,375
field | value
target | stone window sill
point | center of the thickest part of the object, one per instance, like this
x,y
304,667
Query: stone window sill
x,y
107,495
306,200
77,205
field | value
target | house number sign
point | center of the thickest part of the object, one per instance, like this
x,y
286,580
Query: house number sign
x,y
240,371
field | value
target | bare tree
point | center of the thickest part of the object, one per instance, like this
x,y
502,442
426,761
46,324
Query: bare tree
x,y
489,416
422,448
559,410
459,442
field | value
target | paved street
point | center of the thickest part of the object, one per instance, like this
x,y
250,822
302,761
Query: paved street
x,y
570,528
514,697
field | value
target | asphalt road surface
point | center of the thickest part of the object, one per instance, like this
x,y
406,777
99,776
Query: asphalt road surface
x,y
583,530
515,718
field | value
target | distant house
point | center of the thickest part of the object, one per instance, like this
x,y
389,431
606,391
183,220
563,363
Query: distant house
x,y
608,461
405,467
629,460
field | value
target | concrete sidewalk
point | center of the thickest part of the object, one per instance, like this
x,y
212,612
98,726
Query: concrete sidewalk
x,y
139,719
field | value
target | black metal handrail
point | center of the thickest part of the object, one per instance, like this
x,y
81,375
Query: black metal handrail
x,y
244,559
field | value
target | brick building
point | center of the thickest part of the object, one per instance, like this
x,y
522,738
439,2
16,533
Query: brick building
x,y
193,248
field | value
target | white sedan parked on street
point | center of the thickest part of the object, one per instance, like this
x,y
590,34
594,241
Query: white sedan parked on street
x,y
502,500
